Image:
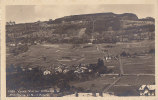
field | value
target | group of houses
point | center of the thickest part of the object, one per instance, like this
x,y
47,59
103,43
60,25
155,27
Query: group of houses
x,y
14,44
10,23
82,68
62,68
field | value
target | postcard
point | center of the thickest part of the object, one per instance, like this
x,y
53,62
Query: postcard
x,y
73,49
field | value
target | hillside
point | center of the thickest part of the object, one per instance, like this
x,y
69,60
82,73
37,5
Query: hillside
x,y
104,27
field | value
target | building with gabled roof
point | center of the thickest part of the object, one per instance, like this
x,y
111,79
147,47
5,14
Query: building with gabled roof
x,y
147,90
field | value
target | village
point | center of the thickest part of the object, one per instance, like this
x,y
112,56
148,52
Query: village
x,y
81,58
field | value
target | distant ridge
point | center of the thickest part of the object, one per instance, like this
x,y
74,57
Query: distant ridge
x,y
97,16
108,15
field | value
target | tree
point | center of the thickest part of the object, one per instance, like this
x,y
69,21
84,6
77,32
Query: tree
x,y
19,69
123,53
100,63
63,84
50,21
101,68
152,51
11,68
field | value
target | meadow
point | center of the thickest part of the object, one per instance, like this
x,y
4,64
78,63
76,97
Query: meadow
x,y
136,67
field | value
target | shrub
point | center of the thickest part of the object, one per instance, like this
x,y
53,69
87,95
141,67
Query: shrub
x,y
152,51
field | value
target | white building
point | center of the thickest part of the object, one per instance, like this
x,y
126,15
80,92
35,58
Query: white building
x,y
85,95
12,44
46,72
65,71
147,90
29,68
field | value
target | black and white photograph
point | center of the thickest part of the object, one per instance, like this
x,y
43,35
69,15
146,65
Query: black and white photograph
x,y
99,50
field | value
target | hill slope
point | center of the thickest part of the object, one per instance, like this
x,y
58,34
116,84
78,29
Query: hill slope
x,y
104,27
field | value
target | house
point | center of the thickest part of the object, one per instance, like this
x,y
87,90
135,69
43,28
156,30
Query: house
x,y
46,72
90,70
125,39
30,69
19,43
89,43
59,70
23,69
147,90
66,70
108,94
80,21
85,95
63,22
12,44
84,68
78,71
108,58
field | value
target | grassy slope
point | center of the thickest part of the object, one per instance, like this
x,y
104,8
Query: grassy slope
x,y
55,53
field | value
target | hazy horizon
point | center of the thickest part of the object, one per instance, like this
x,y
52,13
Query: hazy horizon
x,y
33,13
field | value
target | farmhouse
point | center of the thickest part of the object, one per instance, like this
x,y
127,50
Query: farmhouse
x,y
29,68
19,43
108,58
23,69
85,94
59,69
65,71
12,44
46,72
147,90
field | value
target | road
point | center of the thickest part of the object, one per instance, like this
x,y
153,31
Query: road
x,y
111,85
139,74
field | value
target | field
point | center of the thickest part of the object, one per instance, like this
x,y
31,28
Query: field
x,y
139,65
138,69
98,84
49,55
54,54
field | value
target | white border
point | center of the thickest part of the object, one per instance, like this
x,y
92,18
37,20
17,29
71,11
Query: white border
x,y
67,2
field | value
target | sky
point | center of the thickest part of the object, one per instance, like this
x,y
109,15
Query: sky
x,y
32,13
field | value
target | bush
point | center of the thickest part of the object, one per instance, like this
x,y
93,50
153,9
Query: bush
x,y
152,51
124,54
19,49
50,21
